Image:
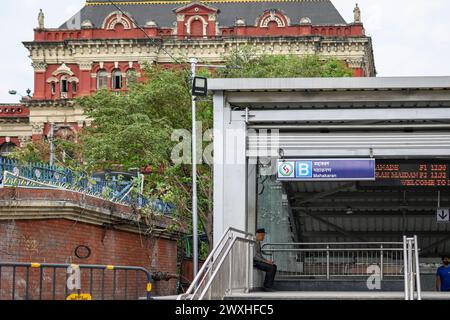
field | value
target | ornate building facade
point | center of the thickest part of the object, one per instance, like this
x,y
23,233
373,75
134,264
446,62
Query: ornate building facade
x,y
106,44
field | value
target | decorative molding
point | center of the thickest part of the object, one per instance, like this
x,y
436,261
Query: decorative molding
x,y
37,128
116,18
85,66
39,66
273,16
23,140
52,79
73,79
355,63
63,69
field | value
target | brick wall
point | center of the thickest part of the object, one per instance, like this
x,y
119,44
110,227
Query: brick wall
x,y
55,240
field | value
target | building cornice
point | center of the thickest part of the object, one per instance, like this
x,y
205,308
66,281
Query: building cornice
x,y
27,207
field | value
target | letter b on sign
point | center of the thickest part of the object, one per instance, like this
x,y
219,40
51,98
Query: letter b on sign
x,y
303,169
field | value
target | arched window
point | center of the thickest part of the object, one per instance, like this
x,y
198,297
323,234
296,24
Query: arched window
x,y
7,148
117,80
197,28
131,77
53,86
102,79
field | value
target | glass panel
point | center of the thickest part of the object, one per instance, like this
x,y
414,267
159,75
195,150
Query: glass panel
x,y
273,215
102,80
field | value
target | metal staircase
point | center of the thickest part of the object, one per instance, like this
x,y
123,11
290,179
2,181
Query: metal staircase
x,y
228,272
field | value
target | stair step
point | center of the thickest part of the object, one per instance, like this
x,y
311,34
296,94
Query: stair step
x,y
334,285
311,295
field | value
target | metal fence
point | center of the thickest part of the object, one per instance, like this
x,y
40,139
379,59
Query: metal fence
x,y
42,175
336,260
229,267
46,281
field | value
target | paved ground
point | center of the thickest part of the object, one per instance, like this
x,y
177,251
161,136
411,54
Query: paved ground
x,y
310,295
292,295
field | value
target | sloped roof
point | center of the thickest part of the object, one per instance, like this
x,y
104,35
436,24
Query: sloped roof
x,y
321,12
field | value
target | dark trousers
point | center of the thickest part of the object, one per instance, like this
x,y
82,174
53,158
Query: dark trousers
x,y
270,270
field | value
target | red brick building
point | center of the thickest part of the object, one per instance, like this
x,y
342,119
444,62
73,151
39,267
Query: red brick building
x,y
105,46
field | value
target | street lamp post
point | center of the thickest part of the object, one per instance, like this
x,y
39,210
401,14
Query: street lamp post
x,y
194,65
194,62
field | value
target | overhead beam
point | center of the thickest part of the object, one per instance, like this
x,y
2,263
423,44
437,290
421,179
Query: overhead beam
x,y
302,115
353,234
336,227
328,97
369,83
375,214
323,194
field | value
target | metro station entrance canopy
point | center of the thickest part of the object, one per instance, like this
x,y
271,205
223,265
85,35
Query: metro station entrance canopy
x,y
263,126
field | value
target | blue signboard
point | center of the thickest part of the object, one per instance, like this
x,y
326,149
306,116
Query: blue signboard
x,y
326,170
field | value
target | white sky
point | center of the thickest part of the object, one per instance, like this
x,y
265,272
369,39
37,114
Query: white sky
x,y
410,37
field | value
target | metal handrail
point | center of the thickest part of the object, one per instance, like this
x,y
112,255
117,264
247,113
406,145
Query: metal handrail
x,y
90,267
205,269
330,243
333,258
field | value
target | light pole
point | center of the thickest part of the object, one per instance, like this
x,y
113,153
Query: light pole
x,y
52,147
194,62
194,65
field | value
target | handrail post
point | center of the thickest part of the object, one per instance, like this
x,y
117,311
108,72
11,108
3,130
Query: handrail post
x,y
410,269
381,263
251,244
405,268
328,262
247,266
418,284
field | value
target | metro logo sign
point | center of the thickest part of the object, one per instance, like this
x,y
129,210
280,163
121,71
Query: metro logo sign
x,y
286,169
326,170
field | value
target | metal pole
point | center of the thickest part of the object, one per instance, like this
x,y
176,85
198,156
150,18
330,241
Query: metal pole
x,y
247,265
52,151
194,177
419,287
405,268
381,263
328,263
410,267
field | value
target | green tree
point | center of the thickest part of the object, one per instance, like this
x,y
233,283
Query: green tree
x,y
244,63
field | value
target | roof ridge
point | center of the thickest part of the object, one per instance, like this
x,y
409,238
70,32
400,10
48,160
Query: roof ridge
x,y
120,2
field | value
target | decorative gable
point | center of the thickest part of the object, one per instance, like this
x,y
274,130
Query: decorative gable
x,y
118,18
273,16
196,20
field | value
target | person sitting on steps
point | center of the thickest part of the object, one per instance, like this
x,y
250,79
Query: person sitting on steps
x,y
262,264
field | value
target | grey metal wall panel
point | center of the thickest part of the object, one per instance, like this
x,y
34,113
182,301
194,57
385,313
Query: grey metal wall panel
x,y
351,144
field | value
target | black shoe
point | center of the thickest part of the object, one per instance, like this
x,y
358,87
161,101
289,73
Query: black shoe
x,y
266,289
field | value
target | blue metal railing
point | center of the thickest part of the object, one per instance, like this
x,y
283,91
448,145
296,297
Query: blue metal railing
x,y
115,190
